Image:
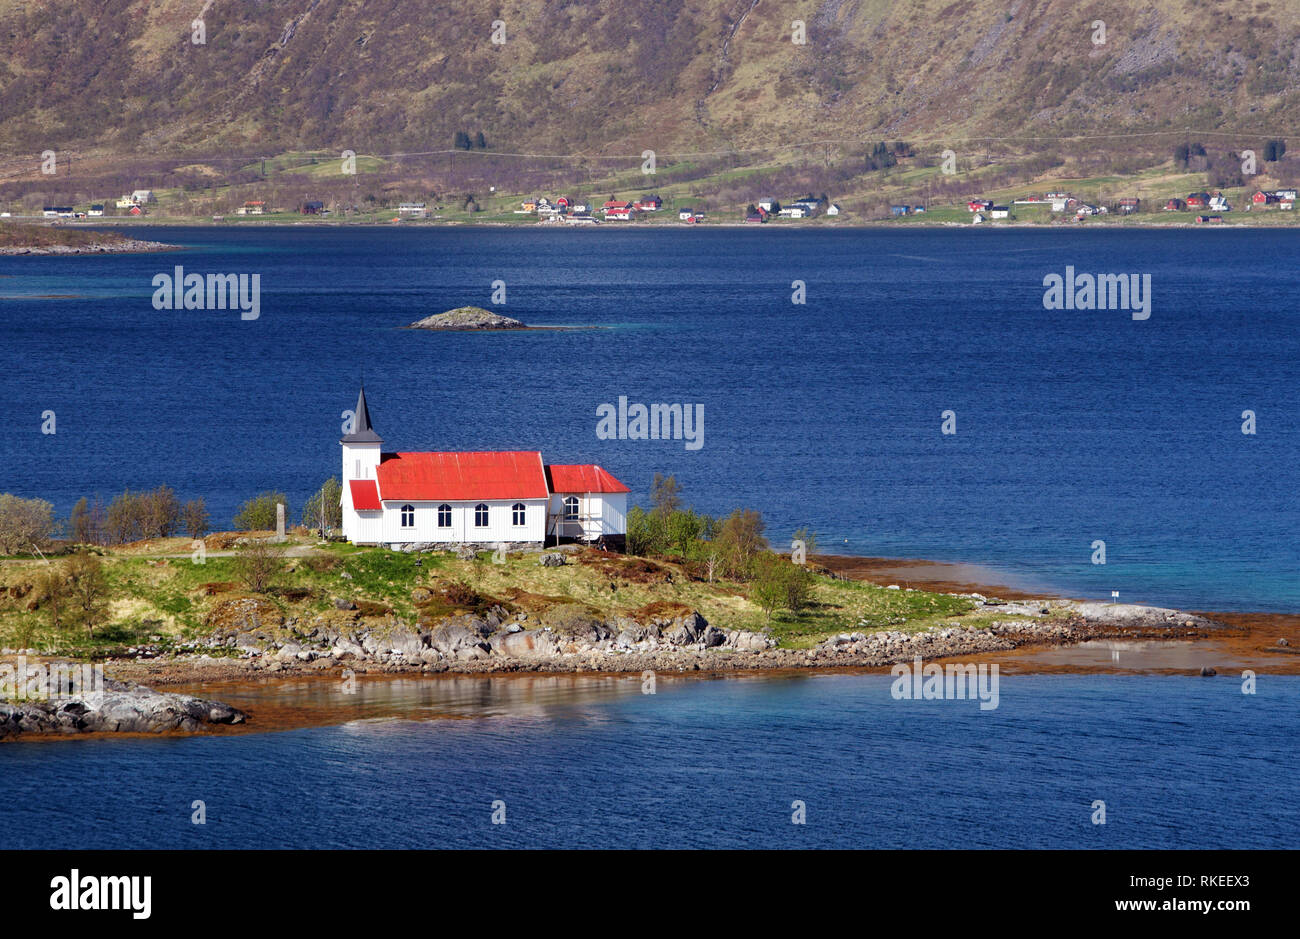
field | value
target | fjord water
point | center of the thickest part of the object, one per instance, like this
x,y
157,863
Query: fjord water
x,y
1073,426
1180,762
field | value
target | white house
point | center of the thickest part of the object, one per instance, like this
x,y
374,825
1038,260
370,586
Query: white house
x,y
483,498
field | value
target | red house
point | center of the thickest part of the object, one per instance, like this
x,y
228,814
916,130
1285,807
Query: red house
x,y
979,205
1198,200
649,204
1263,198
1175,205
135,210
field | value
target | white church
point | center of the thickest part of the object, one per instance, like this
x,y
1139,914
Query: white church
x,y
402,500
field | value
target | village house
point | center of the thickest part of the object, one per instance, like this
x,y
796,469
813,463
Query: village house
x,y
57,211
832,209
1287,195
1129,204
1175,205
1198,200
135,210
1219,203
979,205
618,211
1262,199
412,209
313,208
685,215
96,210
794,211
1000,211
409,499
648,204
899,210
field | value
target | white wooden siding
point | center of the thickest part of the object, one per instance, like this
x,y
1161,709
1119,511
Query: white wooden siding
x,y
500,525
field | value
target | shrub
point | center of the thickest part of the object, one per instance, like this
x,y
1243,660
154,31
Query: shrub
x,y
194,518
24,523
740,539
87,590
258,513
259,564
324,510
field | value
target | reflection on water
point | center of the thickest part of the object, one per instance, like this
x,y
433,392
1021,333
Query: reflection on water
x,y
1129,655
276,704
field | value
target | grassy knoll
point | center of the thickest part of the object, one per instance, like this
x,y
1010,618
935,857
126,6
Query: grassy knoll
x,y
157,594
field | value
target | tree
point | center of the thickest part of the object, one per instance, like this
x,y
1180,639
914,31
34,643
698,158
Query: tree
x,y
194,517
25,524
640,536
82,528
683,531
324,510
49,593
1273,150
462,141
480,141
258,513
665,496
769,584
160,513
258,564
87,589
740,539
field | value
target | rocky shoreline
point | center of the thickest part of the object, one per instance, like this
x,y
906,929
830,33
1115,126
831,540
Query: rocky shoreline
x,y
501,643
125,246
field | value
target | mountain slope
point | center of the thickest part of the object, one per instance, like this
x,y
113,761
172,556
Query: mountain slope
x,y
613,78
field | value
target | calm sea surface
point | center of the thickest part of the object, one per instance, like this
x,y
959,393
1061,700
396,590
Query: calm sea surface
x,y
1073,426
592,762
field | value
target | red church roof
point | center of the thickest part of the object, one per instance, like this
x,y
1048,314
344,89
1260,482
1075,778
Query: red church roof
x,y
582,478
462,476
365,495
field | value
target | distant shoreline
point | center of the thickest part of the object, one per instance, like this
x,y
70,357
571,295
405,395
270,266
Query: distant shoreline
x,y
1128,224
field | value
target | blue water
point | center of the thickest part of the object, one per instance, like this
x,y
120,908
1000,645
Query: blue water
x,y
1072,426
1179,763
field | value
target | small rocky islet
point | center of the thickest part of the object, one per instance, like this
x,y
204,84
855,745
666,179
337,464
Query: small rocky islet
x,y
468,318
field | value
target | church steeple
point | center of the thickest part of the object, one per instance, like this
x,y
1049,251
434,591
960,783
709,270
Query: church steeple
x,y
362,431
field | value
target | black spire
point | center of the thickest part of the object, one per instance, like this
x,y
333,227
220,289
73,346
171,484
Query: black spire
x,y
362,432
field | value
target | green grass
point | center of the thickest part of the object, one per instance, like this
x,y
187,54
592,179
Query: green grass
x,y
169,596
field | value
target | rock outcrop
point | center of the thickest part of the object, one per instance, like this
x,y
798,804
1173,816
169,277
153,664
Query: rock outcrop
x,y
468,317
117,708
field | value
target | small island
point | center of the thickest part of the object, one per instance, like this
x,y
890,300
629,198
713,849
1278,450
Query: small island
x,y
468,317
48,240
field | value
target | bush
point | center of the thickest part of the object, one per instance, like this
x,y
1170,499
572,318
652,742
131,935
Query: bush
x,y
194,518
258,513
25,524
259,564
87,590
740,539
135,516
324,510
